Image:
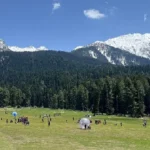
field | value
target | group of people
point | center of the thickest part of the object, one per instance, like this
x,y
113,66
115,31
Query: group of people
x,y
23,120
49,119
105,122
120,124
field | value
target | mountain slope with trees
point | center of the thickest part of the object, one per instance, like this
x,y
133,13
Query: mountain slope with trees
x,y
109,54
63,80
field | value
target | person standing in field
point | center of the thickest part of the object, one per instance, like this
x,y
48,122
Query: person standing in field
x,y
105,122
42,119
49,123
144,123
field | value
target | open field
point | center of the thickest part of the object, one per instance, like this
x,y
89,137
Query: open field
x,y
67,136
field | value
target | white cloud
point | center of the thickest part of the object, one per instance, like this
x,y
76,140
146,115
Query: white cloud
x,y
93,14
56,6
145,17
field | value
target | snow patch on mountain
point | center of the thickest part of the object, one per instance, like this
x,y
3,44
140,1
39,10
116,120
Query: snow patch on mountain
x,y
103,49
92,54
138,44
122,60
108,57
78,47
27,49
4,47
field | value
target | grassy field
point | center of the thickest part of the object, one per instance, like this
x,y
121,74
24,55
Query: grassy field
x,y
67,136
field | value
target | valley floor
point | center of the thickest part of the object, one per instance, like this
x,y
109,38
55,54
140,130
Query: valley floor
x,y
62,135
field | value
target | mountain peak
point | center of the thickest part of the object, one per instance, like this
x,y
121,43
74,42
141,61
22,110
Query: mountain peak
x,y
138,44
27,49
98,42
133,36
123,50
78,47
3,46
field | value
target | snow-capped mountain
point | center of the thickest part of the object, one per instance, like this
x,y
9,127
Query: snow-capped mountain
x,y
108,54
118,50
131,49
3,46
138,44
27,49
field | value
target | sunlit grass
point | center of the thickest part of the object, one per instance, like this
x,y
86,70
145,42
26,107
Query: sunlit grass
x,y
67,136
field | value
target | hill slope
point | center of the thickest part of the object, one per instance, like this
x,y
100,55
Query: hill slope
x,y
106,53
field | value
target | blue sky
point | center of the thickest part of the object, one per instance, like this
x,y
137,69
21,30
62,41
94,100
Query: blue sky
x,y
65,24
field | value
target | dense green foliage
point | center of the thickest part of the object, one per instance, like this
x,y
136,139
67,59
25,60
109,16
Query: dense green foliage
x,y
63,80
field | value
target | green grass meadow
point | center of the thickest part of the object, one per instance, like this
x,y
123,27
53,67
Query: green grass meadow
x,y
68,136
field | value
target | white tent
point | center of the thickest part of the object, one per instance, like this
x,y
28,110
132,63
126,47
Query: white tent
x,y
84,122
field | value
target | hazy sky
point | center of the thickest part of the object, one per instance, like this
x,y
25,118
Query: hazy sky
x,y
65,24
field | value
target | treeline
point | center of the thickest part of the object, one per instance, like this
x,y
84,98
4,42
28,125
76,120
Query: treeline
x,y
61,80
118,95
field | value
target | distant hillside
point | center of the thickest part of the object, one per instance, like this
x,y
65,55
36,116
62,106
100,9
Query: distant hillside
x,y
105,53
